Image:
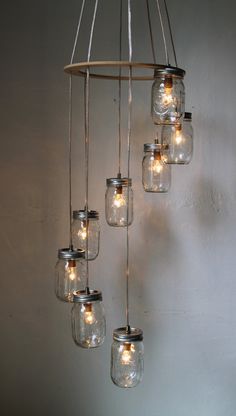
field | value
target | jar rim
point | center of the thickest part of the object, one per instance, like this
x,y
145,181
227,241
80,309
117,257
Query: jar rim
x,y
169,70
70,254
149,147
119,181
82,296
81,214
187,116
134,334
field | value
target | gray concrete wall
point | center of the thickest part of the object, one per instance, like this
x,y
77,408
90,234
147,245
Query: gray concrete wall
x,y
183,284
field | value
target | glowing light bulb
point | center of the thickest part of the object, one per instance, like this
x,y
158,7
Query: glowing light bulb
x,y
82,233
127,353
178,134
71,270
89,317
167,97
118,199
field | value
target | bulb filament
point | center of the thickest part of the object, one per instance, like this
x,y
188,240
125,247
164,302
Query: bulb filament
x,y
71,269
167,98
127,353
89,317
178,134
119,199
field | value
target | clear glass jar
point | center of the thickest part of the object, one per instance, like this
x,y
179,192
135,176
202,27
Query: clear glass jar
x,y
127,357
69,273
168,95
117,200
156,175
88,319
177,142
79,232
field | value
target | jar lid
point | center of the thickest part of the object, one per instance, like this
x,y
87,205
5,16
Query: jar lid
x,y
187,116
68,254
150,147
169,70
82,214
82,296
121,334
119,181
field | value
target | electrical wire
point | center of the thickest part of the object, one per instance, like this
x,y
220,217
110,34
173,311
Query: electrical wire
x,y
86,97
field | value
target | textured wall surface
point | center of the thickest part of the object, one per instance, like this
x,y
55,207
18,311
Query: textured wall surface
x,y
183,284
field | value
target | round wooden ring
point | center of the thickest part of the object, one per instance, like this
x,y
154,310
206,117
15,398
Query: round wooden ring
x,y
80,69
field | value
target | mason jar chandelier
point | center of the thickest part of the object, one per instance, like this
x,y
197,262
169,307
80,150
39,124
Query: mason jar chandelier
x,y
173,144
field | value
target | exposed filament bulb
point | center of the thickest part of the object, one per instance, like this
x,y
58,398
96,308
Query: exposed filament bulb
x,y
71,269
89,317
118,199
167,97
178,134
156,164
82,233
127,352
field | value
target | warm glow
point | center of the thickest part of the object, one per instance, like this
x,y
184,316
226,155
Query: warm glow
x,y
89,317
178,135
156,166
118,200
167,97
71,270
82,234
127,353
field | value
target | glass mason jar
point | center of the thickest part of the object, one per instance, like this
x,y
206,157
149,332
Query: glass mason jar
x,y
156,174
88,319
117,200
79,232
177,142
127,357
168,95
69,273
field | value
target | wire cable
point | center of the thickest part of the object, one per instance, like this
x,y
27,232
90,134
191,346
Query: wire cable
x,y
86,97
128,162
150,30
170,31
163,32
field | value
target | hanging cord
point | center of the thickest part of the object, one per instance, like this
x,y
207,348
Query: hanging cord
x,y
163,32
119,107
128,165
70,123
77,32
86,97
70,137
151,34
171,35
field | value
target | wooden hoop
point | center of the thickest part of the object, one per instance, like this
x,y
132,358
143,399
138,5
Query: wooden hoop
x,y
80,68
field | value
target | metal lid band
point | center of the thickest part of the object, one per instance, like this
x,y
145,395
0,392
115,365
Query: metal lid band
x,y
150,147
81,296
68,254
119,181
82,215
187,116
121,334
169,70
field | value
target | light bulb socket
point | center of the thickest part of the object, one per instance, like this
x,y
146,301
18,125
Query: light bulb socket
x,y
168,83
82,214
187,116
173,71
69,254
119,182
82,296
121,334
152,147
